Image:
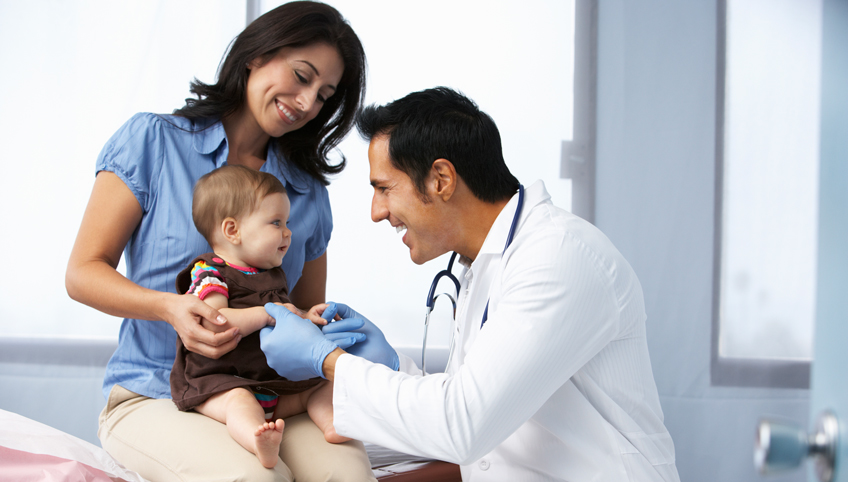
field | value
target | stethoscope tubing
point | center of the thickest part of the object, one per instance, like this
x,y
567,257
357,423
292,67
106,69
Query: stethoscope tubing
x,y
512,228
431,299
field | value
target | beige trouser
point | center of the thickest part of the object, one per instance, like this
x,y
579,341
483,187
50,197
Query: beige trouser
x,y
161,443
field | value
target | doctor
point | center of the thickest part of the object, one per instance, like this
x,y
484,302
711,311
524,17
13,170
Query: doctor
x,y
551,379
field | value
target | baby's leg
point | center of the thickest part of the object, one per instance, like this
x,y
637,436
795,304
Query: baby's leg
x,y
245,420
291,405
320,408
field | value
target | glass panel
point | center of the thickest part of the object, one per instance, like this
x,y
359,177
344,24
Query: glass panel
x,y
75,72
770,178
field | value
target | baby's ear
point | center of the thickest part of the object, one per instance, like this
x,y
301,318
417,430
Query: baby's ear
x,y
229,228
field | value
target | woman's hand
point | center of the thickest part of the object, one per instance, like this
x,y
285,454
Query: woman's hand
x,y
186,313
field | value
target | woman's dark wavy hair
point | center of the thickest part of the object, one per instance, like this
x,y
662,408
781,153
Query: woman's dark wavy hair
x,y
295,24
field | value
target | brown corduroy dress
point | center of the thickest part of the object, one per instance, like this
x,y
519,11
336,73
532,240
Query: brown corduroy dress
x,y
195,378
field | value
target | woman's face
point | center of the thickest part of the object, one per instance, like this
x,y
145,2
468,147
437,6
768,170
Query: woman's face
x,y
289,90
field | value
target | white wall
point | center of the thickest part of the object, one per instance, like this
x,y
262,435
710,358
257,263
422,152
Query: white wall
x,y
655,200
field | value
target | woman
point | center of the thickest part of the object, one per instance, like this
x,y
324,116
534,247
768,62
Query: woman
x,y
285,96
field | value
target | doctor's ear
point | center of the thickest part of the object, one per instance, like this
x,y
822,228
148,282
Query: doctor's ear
x,y
230,230
444,179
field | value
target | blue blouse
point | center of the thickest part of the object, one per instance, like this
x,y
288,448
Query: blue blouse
x,y
160,158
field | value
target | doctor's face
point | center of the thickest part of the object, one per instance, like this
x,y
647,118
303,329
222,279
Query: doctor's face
x,y
396,200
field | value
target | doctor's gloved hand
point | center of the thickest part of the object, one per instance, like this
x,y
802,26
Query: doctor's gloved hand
x,y
295,348
374,348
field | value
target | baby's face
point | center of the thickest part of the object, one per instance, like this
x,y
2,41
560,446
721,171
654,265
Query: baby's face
x,y
264,235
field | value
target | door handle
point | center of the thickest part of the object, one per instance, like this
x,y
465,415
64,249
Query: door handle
x,y
780,446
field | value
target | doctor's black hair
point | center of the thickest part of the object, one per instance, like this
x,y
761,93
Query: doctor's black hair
x,y
441,123
293,24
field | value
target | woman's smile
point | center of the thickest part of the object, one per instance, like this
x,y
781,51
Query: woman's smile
x,y
286,112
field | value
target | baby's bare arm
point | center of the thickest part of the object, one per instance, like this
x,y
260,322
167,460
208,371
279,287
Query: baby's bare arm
x,y
247,320
313,315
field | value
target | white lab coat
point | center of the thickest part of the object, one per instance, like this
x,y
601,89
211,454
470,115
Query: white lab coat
x,y
557,386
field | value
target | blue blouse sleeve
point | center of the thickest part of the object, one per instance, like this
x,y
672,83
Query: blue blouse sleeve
x,y
134,153
317,243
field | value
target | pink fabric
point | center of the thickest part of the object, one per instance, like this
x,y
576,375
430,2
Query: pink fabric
x,y
210,288
25,467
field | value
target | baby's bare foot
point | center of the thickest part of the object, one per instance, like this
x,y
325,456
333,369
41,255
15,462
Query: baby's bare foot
x,y
268,438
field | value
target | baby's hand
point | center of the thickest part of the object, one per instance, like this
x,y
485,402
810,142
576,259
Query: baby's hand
x,y
314,314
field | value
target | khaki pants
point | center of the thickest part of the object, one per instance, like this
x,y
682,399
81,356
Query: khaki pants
x,y
161,443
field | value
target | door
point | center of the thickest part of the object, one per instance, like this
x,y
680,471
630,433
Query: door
x,y
781,446
828,383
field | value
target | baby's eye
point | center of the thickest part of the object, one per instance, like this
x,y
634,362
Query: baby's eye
x,y
276,222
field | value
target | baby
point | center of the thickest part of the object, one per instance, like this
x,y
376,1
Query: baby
x,y
242,213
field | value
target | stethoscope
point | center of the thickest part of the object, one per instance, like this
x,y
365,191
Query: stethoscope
x,y
432,297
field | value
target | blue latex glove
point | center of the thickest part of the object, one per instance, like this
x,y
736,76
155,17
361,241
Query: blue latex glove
x,y
345,339
374,348
295,348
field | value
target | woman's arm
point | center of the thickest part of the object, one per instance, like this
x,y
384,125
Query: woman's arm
x,y
311,289
110,218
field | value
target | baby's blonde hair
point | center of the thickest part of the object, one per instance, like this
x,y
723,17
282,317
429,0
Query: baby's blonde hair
x,y
229,192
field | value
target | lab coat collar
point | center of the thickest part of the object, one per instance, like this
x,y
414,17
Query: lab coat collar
x,y
210,135
495,240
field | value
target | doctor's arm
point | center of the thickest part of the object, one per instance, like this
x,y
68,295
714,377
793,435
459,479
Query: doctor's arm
x,y
110,218
549,321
